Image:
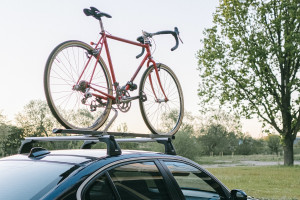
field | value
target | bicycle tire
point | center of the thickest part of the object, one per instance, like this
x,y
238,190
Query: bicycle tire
x,y
62,71
161,117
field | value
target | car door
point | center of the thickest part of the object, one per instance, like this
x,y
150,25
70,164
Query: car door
x,y
134,180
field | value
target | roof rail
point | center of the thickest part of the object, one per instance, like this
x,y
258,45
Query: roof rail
x,y
93,137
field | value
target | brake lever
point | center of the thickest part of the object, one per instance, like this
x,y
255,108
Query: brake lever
x,y
177,32
141,40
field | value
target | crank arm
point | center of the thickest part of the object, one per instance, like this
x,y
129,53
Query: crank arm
x,y
128,99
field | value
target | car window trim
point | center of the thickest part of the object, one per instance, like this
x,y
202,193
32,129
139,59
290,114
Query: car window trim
x,y
171,177
173,191
112,185
118,162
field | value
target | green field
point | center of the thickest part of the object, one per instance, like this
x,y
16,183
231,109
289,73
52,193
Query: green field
x,y
237,159
267,182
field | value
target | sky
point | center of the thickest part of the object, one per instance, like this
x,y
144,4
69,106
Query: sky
x,y
30,30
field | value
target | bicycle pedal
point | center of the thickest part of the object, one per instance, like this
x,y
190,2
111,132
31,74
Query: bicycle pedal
x,y
143,97
133,87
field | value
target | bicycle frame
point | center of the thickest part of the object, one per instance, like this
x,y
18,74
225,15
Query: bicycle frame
x,y
103,42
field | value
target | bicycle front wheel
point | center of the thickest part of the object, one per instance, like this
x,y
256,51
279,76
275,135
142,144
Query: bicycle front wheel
x,y
161,104
66,92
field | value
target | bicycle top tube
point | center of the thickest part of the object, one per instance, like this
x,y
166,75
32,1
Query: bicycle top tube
x,y
142,39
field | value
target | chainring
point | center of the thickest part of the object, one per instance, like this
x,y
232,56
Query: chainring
x,y
124,105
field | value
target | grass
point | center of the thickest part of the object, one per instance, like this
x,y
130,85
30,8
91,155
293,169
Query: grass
x,y
268,182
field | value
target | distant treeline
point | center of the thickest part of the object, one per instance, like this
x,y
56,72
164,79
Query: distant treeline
x,y
218,134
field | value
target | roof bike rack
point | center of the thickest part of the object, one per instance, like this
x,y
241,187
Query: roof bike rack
x,y
113,148
92,137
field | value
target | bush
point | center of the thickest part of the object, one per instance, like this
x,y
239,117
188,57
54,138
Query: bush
x,y
186,145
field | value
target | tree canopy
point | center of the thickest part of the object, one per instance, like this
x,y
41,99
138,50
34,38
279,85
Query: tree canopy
x,y
250,63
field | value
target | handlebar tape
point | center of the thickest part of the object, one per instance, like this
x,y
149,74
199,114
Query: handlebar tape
x,y
174,33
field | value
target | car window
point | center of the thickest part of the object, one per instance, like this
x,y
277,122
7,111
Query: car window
x,y
137,181
100,189
30,179
195,184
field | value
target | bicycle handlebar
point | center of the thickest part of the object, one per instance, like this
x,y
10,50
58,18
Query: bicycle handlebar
x,y
174,33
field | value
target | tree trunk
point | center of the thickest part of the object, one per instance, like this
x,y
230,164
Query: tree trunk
x,y
288,149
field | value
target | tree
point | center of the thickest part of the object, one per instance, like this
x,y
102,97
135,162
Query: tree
x,y
185,137
10,137
185,142
230,122
250,63
36,119
2,118
273,143
216,139
248,145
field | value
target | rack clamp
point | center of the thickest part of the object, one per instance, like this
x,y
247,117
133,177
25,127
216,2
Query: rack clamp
x,y
26,146
169,148
113,148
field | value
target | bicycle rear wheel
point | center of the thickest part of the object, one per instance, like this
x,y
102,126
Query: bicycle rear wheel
x,y
69,106
161,115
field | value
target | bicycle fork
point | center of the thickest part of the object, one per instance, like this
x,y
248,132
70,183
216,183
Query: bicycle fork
x,y
156,69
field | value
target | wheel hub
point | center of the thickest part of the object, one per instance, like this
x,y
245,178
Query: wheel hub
x,y
81,86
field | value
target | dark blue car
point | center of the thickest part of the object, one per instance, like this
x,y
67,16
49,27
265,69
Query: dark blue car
x,y
112,173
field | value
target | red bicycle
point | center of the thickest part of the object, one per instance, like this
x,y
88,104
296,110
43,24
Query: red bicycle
x,y
81,91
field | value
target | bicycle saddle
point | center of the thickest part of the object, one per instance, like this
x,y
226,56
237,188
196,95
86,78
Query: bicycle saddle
x,y
95,13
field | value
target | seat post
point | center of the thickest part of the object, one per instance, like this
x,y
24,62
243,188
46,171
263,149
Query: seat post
x,y
101,25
